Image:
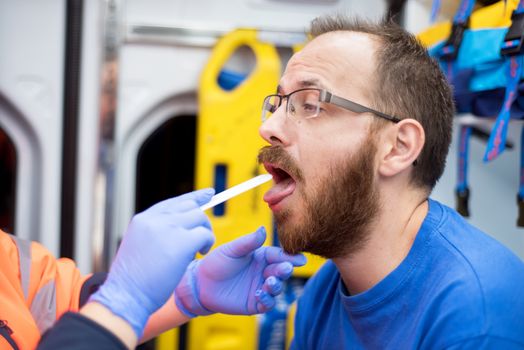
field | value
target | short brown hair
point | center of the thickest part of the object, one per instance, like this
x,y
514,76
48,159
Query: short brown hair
x,y
409,84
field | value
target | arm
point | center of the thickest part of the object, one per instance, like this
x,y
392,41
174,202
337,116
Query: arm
x,y
164,319
159,243
76,331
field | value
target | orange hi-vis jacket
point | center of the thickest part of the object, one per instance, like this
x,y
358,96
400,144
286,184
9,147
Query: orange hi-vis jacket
x,y
35,290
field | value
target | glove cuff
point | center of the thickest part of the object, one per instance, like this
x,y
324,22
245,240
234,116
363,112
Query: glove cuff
x,y
187,293
123,306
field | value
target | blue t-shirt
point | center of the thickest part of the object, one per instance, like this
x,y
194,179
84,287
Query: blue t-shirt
x,y
457,289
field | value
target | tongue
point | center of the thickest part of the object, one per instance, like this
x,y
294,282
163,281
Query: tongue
x,y
280,191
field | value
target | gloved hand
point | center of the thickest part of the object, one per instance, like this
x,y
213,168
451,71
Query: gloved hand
x,y
240,277
154,254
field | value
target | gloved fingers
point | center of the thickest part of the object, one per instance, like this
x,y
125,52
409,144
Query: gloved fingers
x,y
273,286
276,255
190,219
280,270
185,202
245,244
203,238
265,302
200,196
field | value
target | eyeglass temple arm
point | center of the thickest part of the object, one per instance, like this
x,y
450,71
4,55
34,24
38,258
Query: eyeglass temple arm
x,y
326,96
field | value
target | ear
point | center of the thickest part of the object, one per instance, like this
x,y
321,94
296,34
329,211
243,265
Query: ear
x,y
402,147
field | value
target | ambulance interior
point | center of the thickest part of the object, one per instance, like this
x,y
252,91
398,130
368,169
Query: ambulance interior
x,y
106,107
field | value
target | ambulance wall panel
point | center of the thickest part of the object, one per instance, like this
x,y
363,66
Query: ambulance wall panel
x,y
231,14
493,186
31,78
89,114
157,83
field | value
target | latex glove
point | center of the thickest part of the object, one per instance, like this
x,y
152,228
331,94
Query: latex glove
x,y
157,248
240,277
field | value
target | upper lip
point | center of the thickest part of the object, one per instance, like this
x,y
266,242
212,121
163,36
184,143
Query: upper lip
x,y
277,172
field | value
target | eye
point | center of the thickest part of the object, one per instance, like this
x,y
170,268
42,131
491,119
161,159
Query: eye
x,y
309,107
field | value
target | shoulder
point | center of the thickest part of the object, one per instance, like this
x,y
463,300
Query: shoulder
x,y
488,279
476,254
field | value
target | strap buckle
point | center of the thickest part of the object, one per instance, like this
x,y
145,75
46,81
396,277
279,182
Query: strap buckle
x,y
450,49
520,218
514,38
462,202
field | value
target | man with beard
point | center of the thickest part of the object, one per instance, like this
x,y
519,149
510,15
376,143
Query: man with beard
x,y
359,131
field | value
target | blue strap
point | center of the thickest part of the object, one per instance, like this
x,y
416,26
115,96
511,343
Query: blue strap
x,y
462,188
435,8
464,11
463,156
449,51
497,138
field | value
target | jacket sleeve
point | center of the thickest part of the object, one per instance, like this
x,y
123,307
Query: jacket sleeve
x,y
74,331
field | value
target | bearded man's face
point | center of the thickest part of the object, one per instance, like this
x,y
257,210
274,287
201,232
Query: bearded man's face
x,y
335,211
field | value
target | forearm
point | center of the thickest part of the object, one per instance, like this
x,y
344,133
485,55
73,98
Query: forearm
x,y
165,318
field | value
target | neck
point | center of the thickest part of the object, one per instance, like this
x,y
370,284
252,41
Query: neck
x,y
391,236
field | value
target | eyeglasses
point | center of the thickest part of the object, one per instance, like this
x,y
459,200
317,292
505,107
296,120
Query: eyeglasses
x,y
305,104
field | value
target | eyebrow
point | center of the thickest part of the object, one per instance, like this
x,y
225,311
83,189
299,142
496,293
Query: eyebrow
x,y
304,84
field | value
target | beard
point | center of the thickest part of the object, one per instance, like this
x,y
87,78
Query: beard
x,y
337,212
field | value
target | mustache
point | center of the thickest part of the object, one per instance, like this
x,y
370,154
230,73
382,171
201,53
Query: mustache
x,y
276,155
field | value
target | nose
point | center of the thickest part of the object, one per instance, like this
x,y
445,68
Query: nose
x,y
273,129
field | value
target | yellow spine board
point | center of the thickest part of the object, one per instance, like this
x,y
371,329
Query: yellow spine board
x,y
227,134
290,323
167,340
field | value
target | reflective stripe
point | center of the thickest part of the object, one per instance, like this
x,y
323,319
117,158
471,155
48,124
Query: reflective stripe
x,y
43,307
24,256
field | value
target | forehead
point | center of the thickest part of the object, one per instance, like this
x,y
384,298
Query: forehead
x,y
342,62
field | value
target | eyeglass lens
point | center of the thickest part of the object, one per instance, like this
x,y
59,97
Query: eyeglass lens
x,y
300,104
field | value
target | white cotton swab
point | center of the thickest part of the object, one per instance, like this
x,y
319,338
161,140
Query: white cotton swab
x,y
236,190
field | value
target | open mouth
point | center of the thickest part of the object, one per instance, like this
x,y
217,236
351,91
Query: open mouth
x,y
284,185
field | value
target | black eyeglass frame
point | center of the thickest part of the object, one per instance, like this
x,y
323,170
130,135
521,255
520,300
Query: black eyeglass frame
x,y
327,97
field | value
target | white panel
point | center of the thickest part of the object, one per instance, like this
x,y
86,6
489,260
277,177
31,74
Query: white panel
x,y
493,187
31,78
243,13
92,44
156,83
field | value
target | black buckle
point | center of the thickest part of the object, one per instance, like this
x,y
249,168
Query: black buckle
x,y
520,218
462,201
514,37
451,48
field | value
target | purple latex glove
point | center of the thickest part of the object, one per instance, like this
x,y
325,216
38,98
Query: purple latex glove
x,y
240,278
157,248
